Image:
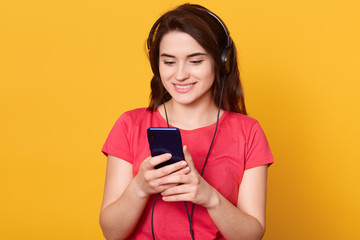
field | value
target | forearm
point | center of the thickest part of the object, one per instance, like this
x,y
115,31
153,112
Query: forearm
x,y
232,222
119,218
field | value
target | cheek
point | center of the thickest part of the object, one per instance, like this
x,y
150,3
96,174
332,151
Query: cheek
x,y
164,77
207,74
164,73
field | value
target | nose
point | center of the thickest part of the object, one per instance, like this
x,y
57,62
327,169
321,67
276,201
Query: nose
x,y
182,72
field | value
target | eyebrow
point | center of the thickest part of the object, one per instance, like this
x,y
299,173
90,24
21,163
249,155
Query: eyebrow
x,y
188,56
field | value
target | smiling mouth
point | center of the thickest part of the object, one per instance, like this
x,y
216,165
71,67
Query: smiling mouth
x,y
184,86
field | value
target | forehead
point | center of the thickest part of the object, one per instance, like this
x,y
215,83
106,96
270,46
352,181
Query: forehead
x,y
179,43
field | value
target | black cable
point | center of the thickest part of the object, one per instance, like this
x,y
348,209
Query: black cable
x,y
167,120
187,210
212,141
189,219
152,217
153,207
203,169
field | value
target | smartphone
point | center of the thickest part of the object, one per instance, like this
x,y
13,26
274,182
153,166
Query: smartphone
x,y
165,140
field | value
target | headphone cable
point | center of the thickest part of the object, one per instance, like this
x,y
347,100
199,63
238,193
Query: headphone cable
x,y
212,141
202,171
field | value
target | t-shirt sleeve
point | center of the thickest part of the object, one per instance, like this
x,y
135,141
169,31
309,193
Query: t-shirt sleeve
x,y
117,142
258,150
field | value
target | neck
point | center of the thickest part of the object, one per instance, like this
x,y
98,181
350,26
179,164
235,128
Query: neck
x,y
190,116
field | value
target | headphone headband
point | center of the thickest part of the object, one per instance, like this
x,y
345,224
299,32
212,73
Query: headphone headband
x,y
152,31
225,53
228,41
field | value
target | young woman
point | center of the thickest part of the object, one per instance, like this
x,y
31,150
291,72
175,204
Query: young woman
x,y
222,179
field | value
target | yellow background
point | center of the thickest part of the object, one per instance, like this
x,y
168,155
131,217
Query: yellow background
x,y
69,68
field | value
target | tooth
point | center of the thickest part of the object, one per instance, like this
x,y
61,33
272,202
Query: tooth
x,y
183,87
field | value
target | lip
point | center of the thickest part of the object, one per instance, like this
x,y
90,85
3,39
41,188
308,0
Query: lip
x,y
183,88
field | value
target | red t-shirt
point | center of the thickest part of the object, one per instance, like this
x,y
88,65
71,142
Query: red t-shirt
x,y
239,144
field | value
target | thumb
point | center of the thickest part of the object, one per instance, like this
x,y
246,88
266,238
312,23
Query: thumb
x,y
188,157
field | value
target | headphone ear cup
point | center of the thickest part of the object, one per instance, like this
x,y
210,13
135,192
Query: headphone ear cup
x,y
225,61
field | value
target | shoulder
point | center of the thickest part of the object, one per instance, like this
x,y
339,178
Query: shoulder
x,y
243,125
245,121
135,115
137,112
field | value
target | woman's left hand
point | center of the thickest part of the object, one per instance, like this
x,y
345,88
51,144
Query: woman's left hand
x,y
191,187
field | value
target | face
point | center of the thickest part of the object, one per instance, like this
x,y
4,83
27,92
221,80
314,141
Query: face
x,y
186,69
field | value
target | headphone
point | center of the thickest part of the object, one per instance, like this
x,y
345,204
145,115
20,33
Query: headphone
x,y
225,53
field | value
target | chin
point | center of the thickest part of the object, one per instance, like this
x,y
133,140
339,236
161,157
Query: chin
x,y
186,101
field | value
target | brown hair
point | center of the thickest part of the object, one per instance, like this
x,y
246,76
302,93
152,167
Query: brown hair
x,y
196,21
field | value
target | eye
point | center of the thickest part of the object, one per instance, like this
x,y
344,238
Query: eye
x,y
169,62
196,62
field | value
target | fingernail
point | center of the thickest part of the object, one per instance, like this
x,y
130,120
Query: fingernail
x,y
183,164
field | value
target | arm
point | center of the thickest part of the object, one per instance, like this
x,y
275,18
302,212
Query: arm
x,y
247,220
244,221
120,193
123,192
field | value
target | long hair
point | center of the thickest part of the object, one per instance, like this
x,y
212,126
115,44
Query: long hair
x,y
196,21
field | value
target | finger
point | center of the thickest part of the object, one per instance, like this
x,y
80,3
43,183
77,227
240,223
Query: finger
x,y
182,171
164,187
175,190
169,169
177,178
159,159
179,197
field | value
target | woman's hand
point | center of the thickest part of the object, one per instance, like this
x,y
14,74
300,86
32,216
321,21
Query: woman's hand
x,y
150,180
189,187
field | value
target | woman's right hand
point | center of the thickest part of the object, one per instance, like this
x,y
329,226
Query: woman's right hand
x,y
149,180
